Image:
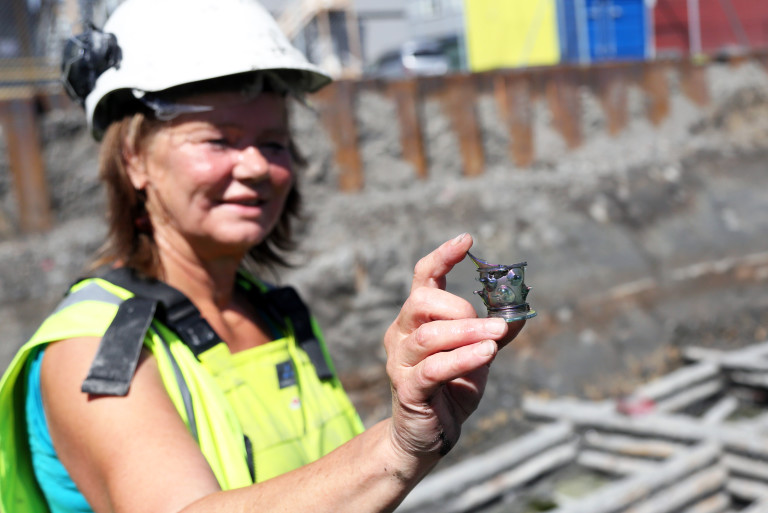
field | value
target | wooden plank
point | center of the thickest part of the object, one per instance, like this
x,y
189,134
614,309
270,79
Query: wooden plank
x,y
691,396
514,96
612,92
337,104
634,489
406,96
458,101
603,416
721,410
716,503
20,130
750,379
751,358
681,492
629,445
43,72
656,88
748,489
481,468
546,462
758,506
613,464
693,81
562,90
677,381
746,467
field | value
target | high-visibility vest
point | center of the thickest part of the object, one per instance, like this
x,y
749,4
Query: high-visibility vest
x,y
255,414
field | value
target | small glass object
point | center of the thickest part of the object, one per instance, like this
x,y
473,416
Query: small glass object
x,y
504,291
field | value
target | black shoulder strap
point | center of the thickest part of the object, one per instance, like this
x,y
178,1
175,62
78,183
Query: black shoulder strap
x,y
174,310
287,303
117,357
118,354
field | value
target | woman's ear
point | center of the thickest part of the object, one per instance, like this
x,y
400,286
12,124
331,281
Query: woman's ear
x,y
135,166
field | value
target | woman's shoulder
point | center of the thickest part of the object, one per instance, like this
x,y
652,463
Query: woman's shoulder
x,y
86,310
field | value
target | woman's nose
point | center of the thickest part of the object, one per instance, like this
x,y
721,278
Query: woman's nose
x,y
250,164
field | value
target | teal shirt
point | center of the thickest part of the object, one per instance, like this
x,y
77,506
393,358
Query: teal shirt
x,y
59,489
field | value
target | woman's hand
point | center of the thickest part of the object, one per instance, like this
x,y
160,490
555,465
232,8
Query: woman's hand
x,y
439,354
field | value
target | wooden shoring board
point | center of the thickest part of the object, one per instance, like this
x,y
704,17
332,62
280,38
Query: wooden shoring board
x,y
610,85
20,130
514,96
405,93
693,81
656,88
458,99
337,104
563,96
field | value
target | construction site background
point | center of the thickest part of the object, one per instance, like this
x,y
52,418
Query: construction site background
x,y
635,192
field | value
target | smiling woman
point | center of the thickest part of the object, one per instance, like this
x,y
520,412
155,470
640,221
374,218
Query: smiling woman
x,y
254,146
174,360
221,176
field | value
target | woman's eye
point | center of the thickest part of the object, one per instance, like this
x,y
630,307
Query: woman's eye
x,y
274,146
218,142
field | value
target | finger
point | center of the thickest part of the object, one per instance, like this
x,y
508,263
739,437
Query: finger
x,y
441,336
430,271
447,366
428,304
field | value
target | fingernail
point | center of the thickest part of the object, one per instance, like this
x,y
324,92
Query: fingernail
x,y
458,239
496,326
486,348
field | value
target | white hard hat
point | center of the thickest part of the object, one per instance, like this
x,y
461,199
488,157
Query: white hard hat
x,y
168,43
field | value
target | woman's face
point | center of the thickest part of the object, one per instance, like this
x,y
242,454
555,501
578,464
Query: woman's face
x,y
217,179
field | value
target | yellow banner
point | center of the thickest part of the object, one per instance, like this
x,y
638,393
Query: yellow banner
x,y
511,33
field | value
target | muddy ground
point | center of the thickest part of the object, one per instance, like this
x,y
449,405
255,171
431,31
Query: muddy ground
x,y
638,244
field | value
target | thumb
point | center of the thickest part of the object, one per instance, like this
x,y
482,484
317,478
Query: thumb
x,y
431,270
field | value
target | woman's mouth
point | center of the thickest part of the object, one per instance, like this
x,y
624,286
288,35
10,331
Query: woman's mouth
x,y
246,202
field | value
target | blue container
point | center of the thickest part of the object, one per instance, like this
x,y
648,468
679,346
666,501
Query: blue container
x,y
603,30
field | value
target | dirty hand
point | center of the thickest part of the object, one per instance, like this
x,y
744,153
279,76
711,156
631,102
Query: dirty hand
x,y
438,356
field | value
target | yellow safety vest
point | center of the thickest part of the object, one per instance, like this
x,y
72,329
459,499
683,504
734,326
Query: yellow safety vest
x,y
269,396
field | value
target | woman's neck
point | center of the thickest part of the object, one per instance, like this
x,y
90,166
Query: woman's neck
x,y
208,283
211,285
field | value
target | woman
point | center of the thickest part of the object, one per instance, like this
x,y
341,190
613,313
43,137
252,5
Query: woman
x,y
242,411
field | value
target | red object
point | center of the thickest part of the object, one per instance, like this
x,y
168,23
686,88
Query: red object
x,y
635,406
725,25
